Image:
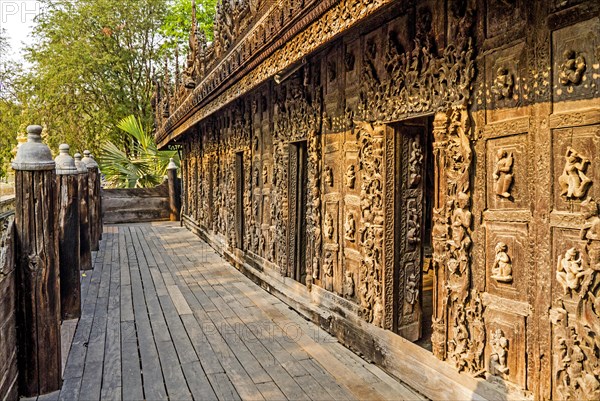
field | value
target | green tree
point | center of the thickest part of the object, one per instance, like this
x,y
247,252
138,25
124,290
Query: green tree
x,y
143,167
177,25
10,110
92,64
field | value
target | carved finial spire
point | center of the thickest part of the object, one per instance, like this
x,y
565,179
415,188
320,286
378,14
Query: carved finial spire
x,y
176,66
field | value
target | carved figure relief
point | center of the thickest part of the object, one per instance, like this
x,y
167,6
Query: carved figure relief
x,y
502,269
331,71
328,264
503,84
256,179
572,68
503,173
349,61
348,284
413,225
350,177
498,357
415,165
350,228
328,226
265,175
569,271
328,176
412,289
573,181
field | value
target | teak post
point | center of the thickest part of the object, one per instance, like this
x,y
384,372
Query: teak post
x,y
85,249
174,199
38,286
94,200
68,234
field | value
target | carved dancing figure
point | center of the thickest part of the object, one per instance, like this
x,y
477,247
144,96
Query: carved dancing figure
x,y
350,176
499,352
503,173
461,222
570,271
502,269
349,284
328,226
328,264
573,181
350,228
328,179
572,69
415,162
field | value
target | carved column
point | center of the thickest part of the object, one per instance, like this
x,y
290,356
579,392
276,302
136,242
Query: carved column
x,y
38,288
174,197
94,200
68,234
85,248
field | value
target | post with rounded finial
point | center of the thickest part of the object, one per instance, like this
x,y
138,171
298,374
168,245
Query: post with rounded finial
x,y
94,199
174,197
85,247
68,234
38,286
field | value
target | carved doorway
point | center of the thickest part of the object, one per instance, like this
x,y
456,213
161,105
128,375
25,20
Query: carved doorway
x,y
239,199
297,192
414,190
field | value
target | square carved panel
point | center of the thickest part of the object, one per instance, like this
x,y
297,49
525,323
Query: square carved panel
x,y
575,58
567,250
507,178
576,166
507,259
506,81
503,17
506,345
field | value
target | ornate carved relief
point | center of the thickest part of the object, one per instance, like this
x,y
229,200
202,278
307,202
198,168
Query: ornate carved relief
x,y
503,84
415,163
328,176
572,68
499,353
502,269
350,228
573,182
350,177
328,228
371,233
314,202
349,285
503,175
576,327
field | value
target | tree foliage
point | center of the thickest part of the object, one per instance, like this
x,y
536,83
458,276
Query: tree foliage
x,y
177,25
10,111
143,167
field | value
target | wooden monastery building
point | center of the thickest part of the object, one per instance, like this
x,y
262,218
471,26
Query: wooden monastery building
x,y
420,178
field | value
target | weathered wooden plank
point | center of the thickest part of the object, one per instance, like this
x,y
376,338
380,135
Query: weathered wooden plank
x,y
131,373
223,387
198,382
175,382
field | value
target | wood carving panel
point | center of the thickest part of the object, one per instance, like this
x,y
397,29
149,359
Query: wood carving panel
x,y
503,17
505,349
575,59
576,152
507,180
507,259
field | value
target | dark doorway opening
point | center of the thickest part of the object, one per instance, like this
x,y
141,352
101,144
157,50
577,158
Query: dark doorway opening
x,y
239,199
414,186
297,189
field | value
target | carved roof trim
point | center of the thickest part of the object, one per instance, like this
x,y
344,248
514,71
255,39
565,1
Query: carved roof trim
x,y
265,61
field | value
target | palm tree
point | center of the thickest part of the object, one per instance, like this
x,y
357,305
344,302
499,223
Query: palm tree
x,y
143,166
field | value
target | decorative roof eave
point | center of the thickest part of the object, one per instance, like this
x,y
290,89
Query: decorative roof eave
x,y
319,25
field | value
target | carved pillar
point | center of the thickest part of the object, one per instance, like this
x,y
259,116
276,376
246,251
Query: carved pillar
x,y
174,197
38,287
68,234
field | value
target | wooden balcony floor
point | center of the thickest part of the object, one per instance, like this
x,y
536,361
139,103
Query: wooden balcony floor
x,y
164,317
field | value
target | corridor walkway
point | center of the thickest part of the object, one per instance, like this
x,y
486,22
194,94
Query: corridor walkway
x,y
164,317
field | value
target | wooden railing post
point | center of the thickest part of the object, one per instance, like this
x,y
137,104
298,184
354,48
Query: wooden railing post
x,y
94,199
174,198
85,249
68,234
38,286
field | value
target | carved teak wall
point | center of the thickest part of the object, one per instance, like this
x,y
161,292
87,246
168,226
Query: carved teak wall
x,y
322,178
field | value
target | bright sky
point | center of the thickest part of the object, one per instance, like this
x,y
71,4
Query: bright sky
x,y
16,17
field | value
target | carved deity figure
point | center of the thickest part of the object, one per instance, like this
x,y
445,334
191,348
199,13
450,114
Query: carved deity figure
x,y
499,352
350,228
328,264
502,269
461,222
256,179
572,68
412,289
415,163
328,179
503,173
349,284
573,181
503,84
570,271
350,176
328,226
590,232
265,175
